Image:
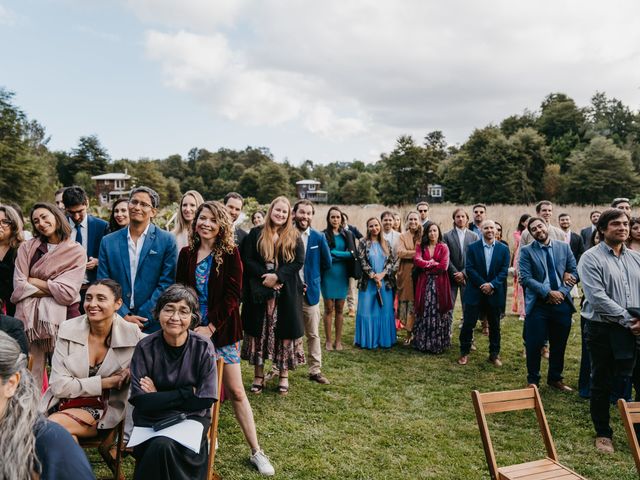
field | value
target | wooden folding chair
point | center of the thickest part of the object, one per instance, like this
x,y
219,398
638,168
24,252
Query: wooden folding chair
x,y
105,439
494,402
630,412
213,429
30,362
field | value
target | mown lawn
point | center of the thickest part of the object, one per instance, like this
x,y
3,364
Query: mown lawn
x,y
400,414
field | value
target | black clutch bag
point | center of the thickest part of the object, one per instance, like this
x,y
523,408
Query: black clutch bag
x,y
379,297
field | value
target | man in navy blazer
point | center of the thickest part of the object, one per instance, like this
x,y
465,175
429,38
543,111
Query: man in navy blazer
x,y
316,261
487,267
544,266
86,229
141,258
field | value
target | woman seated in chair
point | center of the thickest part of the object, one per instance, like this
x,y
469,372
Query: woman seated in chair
x,y
90,366
173,371
32,447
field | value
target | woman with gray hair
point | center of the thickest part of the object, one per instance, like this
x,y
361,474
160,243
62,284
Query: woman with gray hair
x,y
173,376
30,446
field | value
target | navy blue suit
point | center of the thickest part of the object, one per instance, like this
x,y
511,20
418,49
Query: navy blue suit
x,y
316,260
156,270
476,302
545,320
97,229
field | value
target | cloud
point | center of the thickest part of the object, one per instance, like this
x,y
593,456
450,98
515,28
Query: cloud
x,y
109,37
370,69
7,17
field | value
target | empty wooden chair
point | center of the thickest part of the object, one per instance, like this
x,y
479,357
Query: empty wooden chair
x,y
527,398
213,429
630,412
103,442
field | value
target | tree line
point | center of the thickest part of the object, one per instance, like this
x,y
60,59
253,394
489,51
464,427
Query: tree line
x,y
561,152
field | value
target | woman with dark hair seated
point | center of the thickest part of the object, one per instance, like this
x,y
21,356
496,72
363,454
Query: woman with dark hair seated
x,y
32,447
89,380
173,372
11,237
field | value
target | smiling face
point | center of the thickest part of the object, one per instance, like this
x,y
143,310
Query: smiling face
x,y
565,222
6,227
635,232
539,231
121,214
617,230
257,219
396,221
188,208
45,223
413,222
234,207
373,228
206,225
279,213
303,217
387,223
141,209
100,303
595,216
546,212
488,230
175,319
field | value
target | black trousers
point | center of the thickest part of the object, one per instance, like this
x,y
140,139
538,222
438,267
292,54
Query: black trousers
x,y
471,315
612,352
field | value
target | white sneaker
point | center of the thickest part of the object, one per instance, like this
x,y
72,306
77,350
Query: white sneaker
x,y
262,463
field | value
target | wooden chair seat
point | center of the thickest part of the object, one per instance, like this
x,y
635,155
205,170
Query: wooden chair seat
x,y
545,469
509,401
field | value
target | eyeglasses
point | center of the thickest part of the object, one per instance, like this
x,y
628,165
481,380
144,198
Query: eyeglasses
x,y
135,203
5,222
423,211
183,313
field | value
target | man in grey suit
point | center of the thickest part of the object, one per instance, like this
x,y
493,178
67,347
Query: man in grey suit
x,y
587,232
457,240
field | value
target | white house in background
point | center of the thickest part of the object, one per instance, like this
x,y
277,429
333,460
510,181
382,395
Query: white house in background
x,y
310,190
111,186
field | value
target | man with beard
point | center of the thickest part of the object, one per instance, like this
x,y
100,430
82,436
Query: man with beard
x,y
233,202
479,211
317,259
610,274
543,265
544,210
587,232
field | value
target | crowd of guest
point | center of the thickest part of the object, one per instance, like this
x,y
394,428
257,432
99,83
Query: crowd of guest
x,y
123,321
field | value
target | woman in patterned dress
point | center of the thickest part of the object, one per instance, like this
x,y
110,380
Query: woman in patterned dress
x,y
211,265
433,303
273,255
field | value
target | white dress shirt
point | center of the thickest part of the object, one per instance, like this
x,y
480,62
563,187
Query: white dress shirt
x,y
134,259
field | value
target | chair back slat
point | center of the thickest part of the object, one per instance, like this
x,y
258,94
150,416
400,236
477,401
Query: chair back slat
x,y
213,429
509,406
630,416
507,395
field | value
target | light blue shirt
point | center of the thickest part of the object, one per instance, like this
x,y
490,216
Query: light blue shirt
x,y
549,247
488,253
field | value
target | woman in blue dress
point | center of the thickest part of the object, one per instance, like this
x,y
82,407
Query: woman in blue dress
x,y
335,281
375,319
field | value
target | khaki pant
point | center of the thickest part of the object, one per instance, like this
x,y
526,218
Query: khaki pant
x,y
352,294
311,315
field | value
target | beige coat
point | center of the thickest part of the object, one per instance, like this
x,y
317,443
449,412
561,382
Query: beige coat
x,y
406,250
70,366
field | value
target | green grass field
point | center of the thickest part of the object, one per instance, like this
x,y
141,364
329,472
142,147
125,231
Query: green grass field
x,y
401,414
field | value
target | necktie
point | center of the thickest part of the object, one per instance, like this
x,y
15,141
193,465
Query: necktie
x,y
79,233
551,269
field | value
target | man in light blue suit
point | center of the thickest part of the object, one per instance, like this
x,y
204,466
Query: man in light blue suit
x,y
141,258
547,273
317,260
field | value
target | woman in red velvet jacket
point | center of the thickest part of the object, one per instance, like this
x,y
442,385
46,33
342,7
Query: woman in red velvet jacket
x,y
211,265
433,304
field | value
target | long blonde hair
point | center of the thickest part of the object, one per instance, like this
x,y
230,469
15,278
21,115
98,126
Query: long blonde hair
x,y
182,225
224,243
417,236
17,440
285,246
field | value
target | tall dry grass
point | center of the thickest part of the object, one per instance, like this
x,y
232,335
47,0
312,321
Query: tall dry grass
x,y
506,215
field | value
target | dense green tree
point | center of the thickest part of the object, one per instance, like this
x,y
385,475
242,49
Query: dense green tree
x,y
274,181
563,125
531,154
360,190
513,123
599,173
27,171
612,119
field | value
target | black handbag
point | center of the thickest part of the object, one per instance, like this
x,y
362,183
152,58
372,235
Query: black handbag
x,y
354,269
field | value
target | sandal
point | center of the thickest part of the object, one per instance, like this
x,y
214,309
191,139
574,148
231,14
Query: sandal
x,y
409,340
283,389
257,387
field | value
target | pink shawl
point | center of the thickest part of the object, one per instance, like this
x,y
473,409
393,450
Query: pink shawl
x,y
63,269
433,266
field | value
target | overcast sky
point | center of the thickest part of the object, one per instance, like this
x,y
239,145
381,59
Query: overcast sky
x,y
322,80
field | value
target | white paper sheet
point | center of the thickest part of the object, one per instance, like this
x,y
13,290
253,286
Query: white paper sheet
x,y
187,433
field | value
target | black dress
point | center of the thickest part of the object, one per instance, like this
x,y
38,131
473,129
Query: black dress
x,y
186,380
7,266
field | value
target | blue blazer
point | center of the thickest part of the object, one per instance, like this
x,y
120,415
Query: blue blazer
x,y
156,270
533,271
97,228
476,270
316,261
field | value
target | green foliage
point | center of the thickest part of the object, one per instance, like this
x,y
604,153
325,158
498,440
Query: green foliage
x,y
27,171
89,157
599,173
